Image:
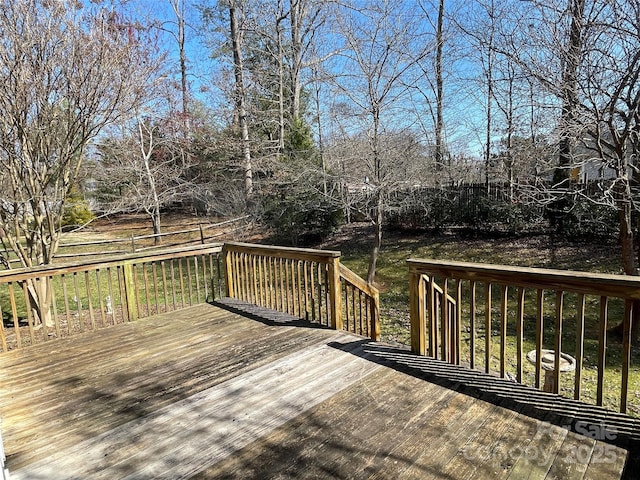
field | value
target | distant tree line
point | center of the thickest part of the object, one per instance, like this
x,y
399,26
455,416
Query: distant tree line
x,y
309,113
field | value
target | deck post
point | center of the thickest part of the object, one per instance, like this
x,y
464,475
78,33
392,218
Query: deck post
x,y
375,317
130,291
228,272
335,298
417,313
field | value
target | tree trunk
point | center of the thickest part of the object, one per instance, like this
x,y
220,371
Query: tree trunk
x,y
155,220
440,92
569,91
236,41
297,16
629,259
377,240
40,291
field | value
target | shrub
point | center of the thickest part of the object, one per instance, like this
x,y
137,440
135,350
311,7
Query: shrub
x,y
76,212
301,216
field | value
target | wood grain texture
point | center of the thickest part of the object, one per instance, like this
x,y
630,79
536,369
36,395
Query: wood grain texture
x,y
210,393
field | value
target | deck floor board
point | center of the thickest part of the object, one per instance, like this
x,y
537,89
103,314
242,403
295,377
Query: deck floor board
x,y
212,393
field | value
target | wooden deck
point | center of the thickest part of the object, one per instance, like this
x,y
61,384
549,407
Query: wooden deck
x,y
219,393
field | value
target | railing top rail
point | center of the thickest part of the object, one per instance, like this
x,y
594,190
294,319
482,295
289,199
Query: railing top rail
x,y
621,286
320,256
19,274
357,281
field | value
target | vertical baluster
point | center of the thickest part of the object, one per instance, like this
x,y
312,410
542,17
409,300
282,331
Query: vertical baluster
x,y
248,284
54,308
281,271
472,323
558,341
457,322
444,321
579,346
320,277
65,295
503,332
626,353
181,275
14,314
154,280
249,278
100,298
432,319
111,295
276,281
213,273
327,303
136,286
242,276
196,275
305,272
519,333
487,327
147,293
189,280
246,277
288,285
271,275
27,302
312,280
78,301
354,311
291,290
165,292
122,295
602,347
262,281
300,284
220,277
539,334
362,326
345,301
89,301
172,273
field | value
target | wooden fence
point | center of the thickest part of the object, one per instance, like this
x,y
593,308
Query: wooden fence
x,y
517,321
199,235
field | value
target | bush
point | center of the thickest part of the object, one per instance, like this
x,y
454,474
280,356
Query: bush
x,y
76,212
301,216
586,219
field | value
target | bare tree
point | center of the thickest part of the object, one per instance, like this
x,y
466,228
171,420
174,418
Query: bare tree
x,y
383,43
144,168
67,71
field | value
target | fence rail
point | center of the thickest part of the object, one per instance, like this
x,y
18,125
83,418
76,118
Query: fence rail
x,y
495,314
136,243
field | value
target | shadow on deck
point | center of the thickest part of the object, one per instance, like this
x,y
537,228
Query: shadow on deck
x,y
235,391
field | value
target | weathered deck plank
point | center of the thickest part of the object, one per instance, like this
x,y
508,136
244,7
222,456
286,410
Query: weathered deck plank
x,y
206,393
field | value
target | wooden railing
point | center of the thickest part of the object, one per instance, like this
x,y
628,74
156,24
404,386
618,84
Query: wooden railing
x,y
65,299
62,300
494,315
361,305
308,284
